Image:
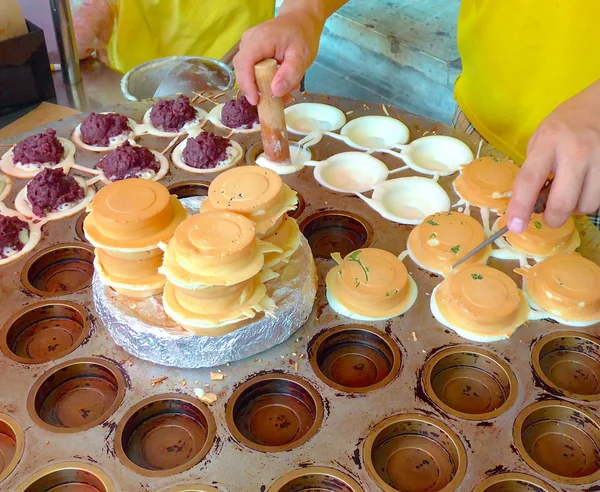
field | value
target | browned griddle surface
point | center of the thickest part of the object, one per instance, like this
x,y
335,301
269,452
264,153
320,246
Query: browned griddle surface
x,y
371,401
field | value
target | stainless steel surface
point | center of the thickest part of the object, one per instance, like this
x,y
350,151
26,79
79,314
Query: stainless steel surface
x,y
491,448
100,87
65,38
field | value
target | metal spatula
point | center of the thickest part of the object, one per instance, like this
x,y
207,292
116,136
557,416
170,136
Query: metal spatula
x,y
199,74
539,208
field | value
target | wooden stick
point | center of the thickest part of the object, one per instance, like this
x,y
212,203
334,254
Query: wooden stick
x,y
271,115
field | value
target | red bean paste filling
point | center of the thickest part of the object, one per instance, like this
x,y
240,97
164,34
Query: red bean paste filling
x,y
128,161
171,115
10,228
39,149
98,129
239,113
52,188
205,151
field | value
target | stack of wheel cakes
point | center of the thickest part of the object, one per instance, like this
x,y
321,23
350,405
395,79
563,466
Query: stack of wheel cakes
x,y
218,261
127,221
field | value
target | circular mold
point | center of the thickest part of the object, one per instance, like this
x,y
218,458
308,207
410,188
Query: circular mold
x,y
79,227
437,154
414,453
336,232
274,412
569,363
470,383
355,359
513,482
559,441
350,172
164,435
408,200
76,395
297,212
71,476
59,270
192,488
44,331
12,443
375,132
305,118
300,156
188,189
316,479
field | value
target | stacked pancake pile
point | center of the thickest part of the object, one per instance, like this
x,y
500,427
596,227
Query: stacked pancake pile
x,y
219,260
260,195
126,222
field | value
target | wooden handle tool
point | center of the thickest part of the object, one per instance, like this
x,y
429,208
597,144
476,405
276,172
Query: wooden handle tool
x,y
271,115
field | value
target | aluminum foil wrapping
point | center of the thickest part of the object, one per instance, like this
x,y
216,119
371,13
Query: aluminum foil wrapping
x,y
143,329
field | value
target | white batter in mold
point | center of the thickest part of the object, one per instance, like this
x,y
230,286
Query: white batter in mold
x,y
350,172
215,118
299,156
28,239
436,155
65,210
114,141
5,186
21,170
408,200
194,125
147,174
234,155
305,118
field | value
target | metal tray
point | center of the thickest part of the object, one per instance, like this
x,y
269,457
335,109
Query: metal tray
x,y
338,407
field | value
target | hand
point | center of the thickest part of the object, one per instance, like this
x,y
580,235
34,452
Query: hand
x,y
292,38
566,144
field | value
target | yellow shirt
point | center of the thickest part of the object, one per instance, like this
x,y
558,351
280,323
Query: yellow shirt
x,y
148,29
521,59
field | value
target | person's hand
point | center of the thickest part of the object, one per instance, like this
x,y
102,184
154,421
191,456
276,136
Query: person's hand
x,y
567,145
292,38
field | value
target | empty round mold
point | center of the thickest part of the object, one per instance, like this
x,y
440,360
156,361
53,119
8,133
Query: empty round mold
x,y
375,133
559,441
44,331
568,362
513,482
274,412
414,453
336,232
76,395
355,359
165,435
71,476
59,270
316,479
12,443
470,383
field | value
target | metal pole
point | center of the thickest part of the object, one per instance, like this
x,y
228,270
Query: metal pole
x,y
65,37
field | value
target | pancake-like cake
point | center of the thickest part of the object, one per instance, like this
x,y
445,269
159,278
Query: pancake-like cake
x,y
539,240
370,284
215,275
487,183
566,286
260,195
444,238
480,303
126,222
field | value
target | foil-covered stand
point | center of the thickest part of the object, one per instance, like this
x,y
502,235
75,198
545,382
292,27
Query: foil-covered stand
x,y
143,329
